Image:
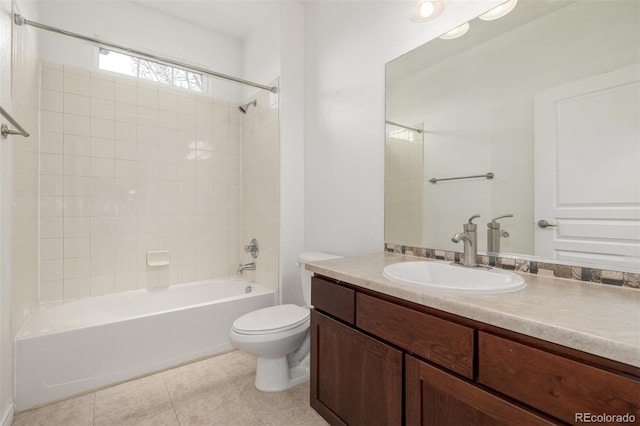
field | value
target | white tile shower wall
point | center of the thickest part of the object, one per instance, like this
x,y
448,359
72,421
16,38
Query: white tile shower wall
x,y
261,185
404,176
128,167
25,177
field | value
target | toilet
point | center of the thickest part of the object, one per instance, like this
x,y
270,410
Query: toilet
x,y
279,336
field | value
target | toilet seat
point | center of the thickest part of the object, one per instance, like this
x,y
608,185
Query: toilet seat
x,y
274,319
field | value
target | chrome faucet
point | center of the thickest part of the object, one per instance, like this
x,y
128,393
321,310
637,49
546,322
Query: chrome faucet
x,y
246,267
252,248
470,240
494,234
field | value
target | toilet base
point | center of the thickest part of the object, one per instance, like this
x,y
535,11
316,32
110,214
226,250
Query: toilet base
x,y
275,375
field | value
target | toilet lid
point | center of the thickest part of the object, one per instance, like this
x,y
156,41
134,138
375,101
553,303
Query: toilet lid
x,y
271,319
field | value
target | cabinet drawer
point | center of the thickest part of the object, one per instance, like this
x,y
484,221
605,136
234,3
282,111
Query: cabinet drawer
x,y
558,386
442,342
333,299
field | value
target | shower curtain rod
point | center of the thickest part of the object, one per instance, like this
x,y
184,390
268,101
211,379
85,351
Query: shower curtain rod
x,y
21,20
404,127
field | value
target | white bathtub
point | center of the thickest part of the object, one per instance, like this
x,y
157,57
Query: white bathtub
x,y
76,346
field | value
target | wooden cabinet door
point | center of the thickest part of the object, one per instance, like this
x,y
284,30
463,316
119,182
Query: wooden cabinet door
x,y
436,398
355,379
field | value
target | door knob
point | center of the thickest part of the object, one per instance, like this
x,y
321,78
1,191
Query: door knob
x,y
543,223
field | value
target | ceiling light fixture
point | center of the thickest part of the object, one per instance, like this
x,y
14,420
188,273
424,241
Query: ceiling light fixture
x,y
456,32
499,11
426,10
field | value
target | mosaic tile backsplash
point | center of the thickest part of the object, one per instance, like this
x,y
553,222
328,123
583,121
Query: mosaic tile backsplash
x,y
578,273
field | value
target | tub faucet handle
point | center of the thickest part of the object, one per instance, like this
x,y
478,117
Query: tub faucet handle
x,y
252,248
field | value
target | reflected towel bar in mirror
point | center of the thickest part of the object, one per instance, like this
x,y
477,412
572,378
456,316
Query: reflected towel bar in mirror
x,y
404,127
487,176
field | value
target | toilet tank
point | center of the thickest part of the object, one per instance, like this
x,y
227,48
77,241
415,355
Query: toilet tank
x,y
305,276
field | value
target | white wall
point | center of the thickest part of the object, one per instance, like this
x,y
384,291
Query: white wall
x,y
261,52
276,48
135,26
347,45
292,165
6,337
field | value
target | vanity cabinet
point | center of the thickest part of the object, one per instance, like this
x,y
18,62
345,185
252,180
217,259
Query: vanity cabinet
x,y
361,381
379,360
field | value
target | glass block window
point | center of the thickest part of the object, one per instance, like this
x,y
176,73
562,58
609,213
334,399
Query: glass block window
x,y
145,69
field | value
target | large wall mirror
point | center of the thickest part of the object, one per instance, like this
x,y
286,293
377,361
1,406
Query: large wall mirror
x,y
542,106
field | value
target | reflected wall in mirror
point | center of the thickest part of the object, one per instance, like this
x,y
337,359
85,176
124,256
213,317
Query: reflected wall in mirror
x,y
547,99
404,179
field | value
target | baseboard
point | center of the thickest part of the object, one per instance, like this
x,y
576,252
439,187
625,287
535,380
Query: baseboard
x,y
7,419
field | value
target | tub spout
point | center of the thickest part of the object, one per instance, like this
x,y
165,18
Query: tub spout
x,y
246,267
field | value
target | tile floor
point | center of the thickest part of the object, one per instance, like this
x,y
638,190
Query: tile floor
x,y
214,391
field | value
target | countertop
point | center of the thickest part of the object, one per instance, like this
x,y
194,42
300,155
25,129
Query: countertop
x,y
596,318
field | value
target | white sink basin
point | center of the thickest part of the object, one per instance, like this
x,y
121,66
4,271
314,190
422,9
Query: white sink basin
x,y
453,278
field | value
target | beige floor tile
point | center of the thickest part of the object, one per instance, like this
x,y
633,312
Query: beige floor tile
x,y
160,417
139,402
198,377
301,393
226,410
285,408
264,401
208,399
294,416
237,364
215,391
72,412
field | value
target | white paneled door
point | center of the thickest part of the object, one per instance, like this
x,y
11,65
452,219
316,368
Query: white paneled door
x,y
587,170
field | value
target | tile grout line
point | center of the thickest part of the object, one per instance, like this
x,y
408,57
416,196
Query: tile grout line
x,y
236,384
170,399
94,408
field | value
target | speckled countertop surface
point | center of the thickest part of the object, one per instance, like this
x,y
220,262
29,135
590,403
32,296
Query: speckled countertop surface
x,y
595,318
